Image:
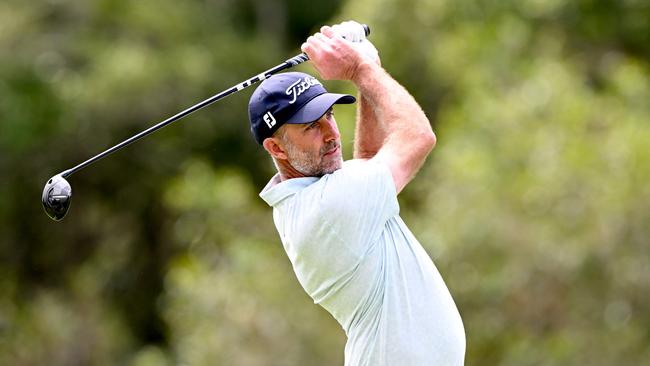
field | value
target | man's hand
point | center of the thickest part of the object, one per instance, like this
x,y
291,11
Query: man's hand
x,y
350,30
356,33
335,57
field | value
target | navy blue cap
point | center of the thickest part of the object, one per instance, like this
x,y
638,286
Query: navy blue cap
x,y
289,97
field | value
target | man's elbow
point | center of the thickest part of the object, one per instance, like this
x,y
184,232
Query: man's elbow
x,y
431,139
428,139
422,144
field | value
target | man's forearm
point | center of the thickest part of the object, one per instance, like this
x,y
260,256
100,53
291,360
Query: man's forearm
x,y
388,110
369,135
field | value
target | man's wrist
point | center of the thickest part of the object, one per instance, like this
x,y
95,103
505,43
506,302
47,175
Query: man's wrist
x,y
364,71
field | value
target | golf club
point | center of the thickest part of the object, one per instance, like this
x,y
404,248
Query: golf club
x,y
57,192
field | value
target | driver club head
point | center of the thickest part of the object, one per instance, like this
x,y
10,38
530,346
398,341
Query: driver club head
x,y
56,197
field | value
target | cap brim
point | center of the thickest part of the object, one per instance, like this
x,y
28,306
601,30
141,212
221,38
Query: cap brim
x,y
316,108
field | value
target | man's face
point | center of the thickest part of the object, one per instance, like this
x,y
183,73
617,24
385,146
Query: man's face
x,y
314,149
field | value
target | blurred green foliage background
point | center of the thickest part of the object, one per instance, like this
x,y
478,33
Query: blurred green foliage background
x,y
535,205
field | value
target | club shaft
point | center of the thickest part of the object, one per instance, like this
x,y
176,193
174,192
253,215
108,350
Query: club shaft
x,y
296,60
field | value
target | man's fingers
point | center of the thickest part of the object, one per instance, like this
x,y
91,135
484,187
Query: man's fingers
x,y
317,40
329,32
315,45
306,48
321,37
332,55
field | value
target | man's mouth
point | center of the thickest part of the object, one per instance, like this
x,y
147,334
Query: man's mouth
x,y
332,151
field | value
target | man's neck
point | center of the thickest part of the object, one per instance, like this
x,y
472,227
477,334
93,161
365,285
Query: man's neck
x,y
287,171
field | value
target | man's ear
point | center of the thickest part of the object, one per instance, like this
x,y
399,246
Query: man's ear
x,y
272,145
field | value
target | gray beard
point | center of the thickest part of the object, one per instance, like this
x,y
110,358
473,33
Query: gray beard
x,y
307,164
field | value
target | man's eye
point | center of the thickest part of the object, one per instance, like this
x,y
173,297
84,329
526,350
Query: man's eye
x,y
312,125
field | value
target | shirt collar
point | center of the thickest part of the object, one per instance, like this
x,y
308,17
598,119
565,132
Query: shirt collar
x,y
276,190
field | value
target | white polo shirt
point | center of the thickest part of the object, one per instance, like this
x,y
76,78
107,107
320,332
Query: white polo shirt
x,y
354,256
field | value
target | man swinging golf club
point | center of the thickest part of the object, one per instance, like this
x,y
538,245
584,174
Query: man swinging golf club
x,y
339,222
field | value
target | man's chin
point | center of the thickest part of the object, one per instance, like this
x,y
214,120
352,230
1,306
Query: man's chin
x,y
334,167
320,169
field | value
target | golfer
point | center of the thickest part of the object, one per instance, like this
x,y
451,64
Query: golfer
x,y
339,221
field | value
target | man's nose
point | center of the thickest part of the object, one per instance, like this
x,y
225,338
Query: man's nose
x,y
330,130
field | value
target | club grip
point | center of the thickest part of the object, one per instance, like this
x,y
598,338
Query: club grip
x,y
302,57
298,59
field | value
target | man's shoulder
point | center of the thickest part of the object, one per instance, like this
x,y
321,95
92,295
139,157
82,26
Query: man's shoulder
x,y
357,179
353,189
340,182
355,162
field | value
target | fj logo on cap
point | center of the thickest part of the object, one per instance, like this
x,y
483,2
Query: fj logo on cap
x,y
269,119
300,87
